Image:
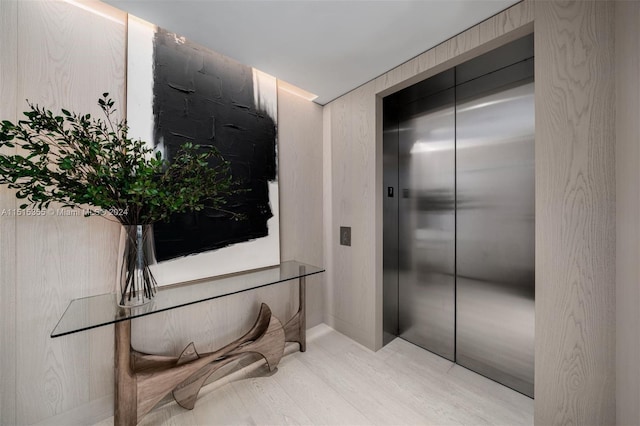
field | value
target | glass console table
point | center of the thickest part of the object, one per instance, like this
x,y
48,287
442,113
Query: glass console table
x,y
142,380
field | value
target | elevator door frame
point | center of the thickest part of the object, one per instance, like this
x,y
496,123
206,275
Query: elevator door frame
x,y
501,58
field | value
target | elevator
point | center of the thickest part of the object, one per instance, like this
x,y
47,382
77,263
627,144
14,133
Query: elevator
x,y
458,215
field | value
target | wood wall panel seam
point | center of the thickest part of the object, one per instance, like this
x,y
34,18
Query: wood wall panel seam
x,y
8,86
627,46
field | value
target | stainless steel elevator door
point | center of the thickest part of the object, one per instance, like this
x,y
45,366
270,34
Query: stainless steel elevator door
x,y
495,238
459,229
426,223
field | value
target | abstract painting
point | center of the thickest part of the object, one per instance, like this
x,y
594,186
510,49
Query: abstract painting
x,y
179,92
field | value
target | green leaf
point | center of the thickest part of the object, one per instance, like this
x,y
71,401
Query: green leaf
x,y
76,160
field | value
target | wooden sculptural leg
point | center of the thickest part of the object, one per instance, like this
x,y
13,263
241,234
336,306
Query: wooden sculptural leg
x,y
270,345
126,405
142,380
295,329
266,341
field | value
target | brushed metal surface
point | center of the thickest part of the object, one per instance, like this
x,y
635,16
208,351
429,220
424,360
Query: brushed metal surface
x,y
426,281
390,220
495,238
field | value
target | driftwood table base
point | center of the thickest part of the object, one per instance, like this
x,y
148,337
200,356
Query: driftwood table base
x,y
142,380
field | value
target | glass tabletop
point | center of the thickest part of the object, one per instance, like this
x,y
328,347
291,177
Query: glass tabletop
x,y
96,311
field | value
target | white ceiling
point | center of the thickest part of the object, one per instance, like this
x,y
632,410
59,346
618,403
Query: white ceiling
x,y
325,47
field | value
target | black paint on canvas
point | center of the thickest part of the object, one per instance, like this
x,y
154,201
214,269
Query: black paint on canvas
x,y
206,98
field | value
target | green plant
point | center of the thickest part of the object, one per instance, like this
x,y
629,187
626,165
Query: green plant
x,y
77,160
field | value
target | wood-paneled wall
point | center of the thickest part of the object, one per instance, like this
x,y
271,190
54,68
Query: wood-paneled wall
x,y
575,213
60,55
627,20
300,179
575,204
64,56
351,283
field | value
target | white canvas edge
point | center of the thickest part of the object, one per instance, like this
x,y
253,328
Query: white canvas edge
x,y
140,79
258,253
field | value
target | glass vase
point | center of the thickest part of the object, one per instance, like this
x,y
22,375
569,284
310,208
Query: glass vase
x,y
136,284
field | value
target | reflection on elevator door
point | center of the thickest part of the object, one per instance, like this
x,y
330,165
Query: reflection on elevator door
x,y
427,224
459,237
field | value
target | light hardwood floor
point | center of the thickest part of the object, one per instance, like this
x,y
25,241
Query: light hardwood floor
x,y
339,382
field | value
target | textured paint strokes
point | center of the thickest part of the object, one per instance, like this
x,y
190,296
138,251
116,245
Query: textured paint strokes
x,y
206,98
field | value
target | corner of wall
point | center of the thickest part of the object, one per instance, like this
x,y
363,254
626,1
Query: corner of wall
x,y
327,208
